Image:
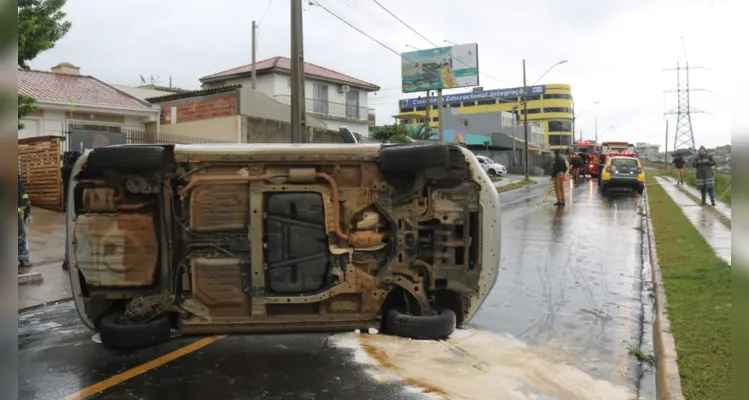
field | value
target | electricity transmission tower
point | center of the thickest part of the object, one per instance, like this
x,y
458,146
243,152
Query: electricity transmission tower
x,y
684,134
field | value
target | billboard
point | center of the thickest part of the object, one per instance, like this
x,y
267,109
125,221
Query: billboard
x,y
440,68
482,95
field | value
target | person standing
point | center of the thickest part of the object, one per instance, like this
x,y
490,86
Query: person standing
x,y
576,163
679,164
558,171
703,165
23,245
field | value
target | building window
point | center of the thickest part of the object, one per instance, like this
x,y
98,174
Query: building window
x,y
560,140
454,105
486,102
557,96
435,119
463,123
557,110
560,126
469,103
320,98
507,100
533,110
434,107
421,108
534,97
407,109
352,104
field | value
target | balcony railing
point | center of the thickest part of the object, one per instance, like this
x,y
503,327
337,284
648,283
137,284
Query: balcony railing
x,y
332,110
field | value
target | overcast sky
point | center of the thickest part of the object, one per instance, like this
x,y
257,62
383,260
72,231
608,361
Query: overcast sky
x,y
616,50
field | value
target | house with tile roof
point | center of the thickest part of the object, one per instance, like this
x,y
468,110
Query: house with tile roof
x,y
70,104
335,98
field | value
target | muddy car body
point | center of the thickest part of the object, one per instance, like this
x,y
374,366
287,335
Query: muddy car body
x,y
279,237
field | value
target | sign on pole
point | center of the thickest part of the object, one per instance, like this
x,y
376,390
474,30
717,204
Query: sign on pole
x,y
440,68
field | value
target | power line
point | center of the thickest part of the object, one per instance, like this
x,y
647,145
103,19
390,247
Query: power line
x,y
406,25
265,12
316,3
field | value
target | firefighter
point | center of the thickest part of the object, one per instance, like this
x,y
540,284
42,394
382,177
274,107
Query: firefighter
x,y
24,215
576,163
558,171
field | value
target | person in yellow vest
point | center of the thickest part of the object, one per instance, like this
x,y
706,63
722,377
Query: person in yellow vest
x,y
24,208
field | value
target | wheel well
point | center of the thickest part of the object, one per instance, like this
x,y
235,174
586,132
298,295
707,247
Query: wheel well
x,y
399,297
453,301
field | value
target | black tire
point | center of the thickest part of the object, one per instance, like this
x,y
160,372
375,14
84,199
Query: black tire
x,y
492,173
604,188
118,336
640,190
130,157
438,326
413,157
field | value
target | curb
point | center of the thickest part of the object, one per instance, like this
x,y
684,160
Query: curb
x,y
43,305
667,378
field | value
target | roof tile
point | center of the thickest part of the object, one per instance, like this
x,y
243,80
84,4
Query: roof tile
x,y
284,63
73,89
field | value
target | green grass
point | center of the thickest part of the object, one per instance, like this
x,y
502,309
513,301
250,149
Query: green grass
x,y
722,183
516,185
642,357
698,288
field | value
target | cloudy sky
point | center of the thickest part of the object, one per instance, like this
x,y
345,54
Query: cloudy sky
x,y
616,50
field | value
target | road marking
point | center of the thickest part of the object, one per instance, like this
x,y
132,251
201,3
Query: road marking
x,y
132,373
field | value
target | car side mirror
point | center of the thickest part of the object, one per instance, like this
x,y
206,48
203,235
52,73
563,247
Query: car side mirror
x,y
348,136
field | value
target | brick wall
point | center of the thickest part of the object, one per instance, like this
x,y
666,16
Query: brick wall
x,y
200,108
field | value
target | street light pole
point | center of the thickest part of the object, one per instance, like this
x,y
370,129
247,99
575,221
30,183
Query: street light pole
x,y
298,112
525,124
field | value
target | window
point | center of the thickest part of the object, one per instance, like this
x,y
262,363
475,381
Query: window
x,y
352,104
486,102
533,110
422,108
557,110
434,107
407,109
435,119
560,126
624,162
454,105
560,140
320,98
469,103
534,97
558,96
507,100
463,122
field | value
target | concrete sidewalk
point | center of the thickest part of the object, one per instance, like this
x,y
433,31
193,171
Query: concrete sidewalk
x,y
715,233
47,249
720,207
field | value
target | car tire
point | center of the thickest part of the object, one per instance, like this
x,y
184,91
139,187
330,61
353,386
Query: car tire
x,y
492,173
414,157
119,336
640,190
604,188
433,327
129,157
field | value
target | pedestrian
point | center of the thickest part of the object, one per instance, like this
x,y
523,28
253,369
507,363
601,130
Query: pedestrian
x,y
558,172
679,164
576,164
703,165
23,216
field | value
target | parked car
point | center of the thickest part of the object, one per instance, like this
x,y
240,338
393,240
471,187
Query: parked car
x,y
492,168
623,172
208,239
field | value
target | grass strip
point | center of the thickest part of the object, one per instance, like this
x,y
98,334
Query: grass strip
x,y
723,220
698,288
722,183
516,185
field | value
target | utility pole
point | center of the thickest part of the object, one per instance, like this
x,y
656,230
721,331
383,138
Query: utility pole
x,y
665,157
525,124
254,46
298,112
428,116
439,115
596,129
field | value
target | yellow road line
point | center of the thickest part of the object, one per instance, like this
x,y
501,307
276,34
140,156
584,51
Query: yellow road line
x,y
132,373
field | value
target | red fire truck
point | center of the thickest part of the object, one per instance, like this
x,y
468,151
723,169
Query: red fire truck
x,y
588,151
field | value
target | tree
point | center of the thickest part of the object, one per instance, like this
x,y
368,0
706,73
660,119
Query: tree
x,y
390,133
40,25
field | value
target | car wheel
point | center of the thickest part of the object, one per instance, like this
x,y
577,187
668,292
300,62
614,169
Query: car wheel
x,y
640,190
604,188
136,157
117,335
413,157
492,173
438,326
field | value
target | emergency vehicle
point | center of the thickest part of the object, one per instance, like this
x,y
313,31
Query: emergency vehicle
x,y
588,151
609,149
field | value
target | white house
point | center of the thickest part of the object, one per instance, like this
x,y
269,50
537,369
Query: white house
x,y
332,97
68,101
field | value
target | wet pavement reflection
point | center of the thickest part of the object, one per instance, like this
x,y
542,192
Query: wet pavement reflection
x,y
558,324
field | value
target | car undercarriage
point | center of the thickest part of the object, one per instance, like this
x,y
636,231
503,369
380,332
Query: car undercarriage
x,y
209,239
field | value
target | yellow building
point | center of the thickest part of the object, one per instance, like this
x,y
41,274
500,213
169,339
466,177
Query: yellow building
x,y
549,106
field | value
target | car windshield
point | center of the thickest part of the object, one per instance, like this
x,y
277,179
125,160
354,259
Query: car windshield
x,y
624,162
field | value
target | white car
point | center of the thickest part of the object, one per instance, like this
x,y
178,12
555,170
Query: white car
x,y
492,168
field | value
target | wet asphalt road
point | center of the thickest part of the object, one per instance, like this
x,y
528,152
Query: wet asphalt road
x,y
569,288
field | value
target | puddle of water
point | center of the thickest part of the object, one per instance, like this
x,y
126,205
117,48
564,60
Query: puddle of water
x,y
477,365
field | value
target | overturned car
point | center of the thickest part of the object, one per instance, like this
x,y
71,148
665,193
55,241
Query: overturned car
x,y
279,237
